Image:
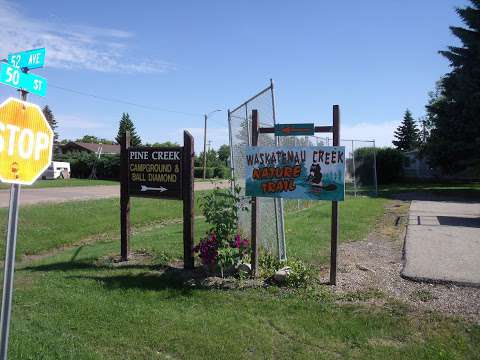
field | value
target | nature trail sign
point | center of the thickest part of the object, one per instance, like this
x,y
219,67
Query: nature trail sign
x,y
314,173
306,173
26,142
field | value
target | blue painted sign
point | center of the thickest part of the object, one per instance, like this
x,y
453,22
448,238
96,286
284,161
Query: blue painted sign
x,y
313,172
294,129
30,59
32,83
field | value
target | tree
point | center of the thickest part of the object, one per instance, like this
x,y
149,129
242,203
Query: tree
x,y
92,139
126,124
167,144
454,109
51,120
407,134
224,154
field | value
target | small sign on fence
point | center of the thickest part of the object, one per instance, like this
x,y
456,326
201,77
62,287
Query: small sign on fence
x,y
315,173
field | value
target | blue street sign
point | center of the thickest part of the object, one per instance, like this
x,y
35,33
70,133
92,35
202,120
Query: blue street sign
x,y
13,76
30,59
294,129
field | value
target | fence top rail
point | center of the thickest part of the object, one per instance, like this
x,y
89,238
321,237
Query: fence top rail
x,y
252,98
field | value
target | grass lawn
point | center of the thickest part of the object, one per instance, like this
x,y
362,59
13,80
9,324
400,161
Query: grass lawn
x,y
76,304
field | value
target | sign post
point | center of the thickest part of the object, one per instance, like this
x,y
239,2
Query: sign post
x,y
26,151
302,172
158,172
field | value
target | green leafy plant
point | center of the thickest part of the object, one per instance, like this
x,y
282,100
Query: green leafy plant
x,y
221,209
223,246
299,275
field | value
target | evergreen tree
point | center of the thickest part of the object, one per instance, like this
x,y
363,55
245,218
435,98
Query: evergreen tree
x,y
407,134
126,124
453,111
51,120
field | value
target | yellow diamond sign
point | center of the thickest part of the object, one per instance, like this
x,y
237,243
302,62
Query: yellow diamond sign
x,y
26,142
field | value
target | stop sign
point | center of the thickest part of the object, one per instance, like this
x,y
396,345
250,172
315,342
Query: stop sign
x,y
26,142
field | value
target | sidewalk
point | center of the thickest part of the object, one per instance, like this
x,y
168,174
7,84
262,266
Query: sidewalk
x,y
443,242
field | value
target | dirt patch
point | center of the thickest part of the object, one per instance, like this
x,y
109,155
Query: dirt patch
x,y
374,265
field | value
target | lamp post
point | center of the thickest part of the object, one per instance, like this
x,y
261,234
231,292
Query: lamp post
x,y
205,143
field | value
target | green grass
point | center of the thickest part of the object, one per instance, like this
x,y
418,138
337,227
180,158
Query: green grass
x,y
86,309
41,184
308,231
46,226
75,304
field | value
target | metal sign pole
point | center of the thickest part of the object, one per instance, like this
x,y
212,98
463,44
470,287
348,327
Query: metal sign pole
x,y
9,269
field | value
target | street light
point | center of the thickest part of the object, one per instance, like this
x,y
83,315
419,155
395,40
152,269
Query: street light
x,y
205,143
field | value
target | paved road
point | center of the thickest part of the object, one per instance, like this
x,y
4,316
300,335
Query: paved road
x,y
62,194
443,242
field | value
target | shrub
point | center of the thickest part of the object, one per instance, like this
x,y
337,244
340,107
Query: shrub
x,y
221,172
198,172
389,165
300,275
82,162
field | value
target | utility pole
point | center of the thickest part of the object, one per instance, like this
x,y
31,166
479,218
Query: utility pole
x,y
205,143
205,148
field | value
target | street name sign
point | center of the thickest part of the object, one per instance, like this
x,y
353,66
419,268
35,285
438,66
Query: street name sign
x,y
12,76
155,172
294,129
31,59
26,142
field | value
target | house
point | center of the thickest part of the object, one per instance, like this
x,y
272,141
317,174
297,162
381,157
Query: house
x,y
72,146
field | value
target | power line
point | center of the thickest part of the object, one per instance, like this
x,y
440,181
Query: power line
x,y
109,99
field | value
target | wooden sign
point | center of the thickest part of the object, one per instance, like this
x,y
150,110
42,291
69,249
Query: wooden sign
x,y
308,172
155,172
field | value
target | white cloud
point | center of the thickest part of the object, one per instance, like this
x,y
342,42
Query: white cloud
x,y
382,133
72,46
77,122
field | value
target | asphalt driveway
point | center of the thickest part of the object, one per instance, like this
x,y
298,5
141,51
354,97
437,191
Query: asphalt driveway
x,y
62,194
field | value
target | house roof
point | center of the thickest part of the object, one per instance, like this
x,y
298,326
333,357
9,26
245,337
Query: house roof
x,y
92,147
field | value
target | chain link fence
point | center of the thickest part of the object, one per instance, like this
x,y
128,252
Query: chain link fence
x,y
360,174
271,232
360,169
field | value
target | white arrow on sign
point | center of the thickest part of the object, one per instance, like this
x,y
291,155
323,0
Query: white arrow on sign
x,y
146,188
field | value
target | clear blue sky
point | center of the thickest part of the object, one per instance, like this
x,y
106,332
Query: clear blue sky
x,y
375,58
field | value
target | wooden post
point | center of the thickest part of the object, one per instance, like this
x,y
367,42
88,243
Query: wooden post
x,y
124,199
188,200
334,229
255,211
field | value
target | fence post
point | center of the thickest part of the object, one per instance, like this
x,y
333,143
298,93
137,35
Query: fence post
x,y
375,167
334,223
255,211
124,198
354,171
